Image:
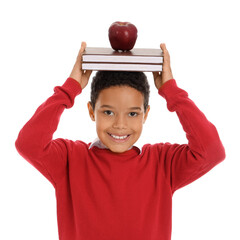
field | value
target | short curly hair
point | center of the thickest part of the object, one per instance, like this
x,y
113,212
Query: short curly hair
x,y
106,79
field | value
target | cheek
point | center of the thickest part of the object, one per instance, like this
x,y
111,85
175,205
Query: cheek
x,y
137,125
102,122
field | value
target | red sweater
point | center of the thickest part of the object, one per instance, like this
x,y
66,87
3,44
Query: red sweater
x,y
102,195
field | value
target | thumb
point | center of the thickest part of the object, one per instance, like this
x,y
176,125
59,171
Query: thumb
x,y
157,79
87,73
82,49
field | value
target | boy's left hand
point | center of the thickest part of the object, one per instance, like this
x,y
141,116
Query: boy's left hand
x,y
166,75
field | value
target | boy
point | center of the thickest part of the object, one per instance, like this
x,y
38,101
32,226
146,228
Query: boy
x,y
110,189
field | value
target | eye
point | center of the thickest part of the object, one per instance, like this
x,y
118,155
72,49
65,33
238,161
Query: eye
x,y
108,112
133,114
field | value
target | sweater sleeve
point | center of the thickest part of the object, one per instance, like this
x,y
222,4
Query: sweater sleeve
x,y
185,163
35,143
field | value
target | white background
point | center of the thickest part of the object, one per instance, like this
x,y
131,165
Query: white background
x,y
39,44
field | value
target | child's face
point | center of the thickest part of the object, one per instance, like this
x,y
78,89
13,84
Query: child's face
x,y
119,115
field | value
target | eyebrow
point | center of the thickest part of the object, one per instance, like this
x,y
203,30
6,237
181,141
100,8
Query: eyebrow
x,y
131,108
106,106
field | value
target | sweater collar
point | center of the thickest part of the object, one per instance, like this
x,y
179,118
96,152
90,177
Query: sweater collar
x,y
97,143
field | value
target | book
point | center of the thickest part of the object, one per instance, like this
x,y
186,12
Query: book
x,y
122,67
107,59
136,55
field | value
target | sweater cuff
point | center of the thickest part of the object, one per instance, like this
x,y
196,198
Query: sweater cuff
x,y
172,93
72,86
167,88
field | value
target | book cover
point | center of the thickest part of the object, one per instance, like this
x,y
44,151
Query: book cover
x,y
122,67
136,55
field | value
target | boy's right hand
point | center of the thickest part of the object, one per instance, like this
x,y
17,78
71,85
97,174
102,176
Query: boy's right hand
x,y
77,73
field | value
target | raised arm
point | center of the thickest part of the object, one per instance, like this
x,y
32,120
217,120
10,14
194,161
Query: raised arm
x,y
35,141
187,162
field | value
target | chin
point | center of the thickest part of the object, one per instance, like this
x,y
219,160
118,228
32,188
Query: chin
x,y
118,149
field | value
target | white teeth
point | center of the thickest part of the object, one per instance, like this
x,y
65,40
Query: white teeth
x,y
119,137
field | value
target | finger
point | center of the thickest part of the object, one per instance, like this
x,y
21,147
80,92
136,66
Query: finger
x,y
166,55
79,57
155,75
83,46
163,47
82,49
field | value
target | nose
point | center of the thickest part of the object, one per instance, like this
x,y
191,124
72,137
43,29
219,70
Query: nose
x,y
120,122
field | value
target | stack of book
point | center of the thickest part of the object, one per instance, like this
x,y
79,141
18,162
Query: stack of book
x,y
107,59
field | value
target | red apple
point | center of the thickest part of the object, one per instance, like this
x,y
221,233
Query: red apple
x,y
122,35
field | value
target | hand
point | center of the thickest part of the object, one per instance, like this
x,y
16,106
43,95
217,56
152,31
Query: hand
x,y
166,75
77,73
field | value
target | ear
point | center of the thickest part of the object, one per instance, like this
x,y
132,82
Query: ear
x,y
146,113
90,110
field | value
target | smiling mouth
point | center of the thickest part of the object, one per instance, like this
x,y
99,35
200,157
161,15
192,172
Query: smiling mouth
x,y
117,137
